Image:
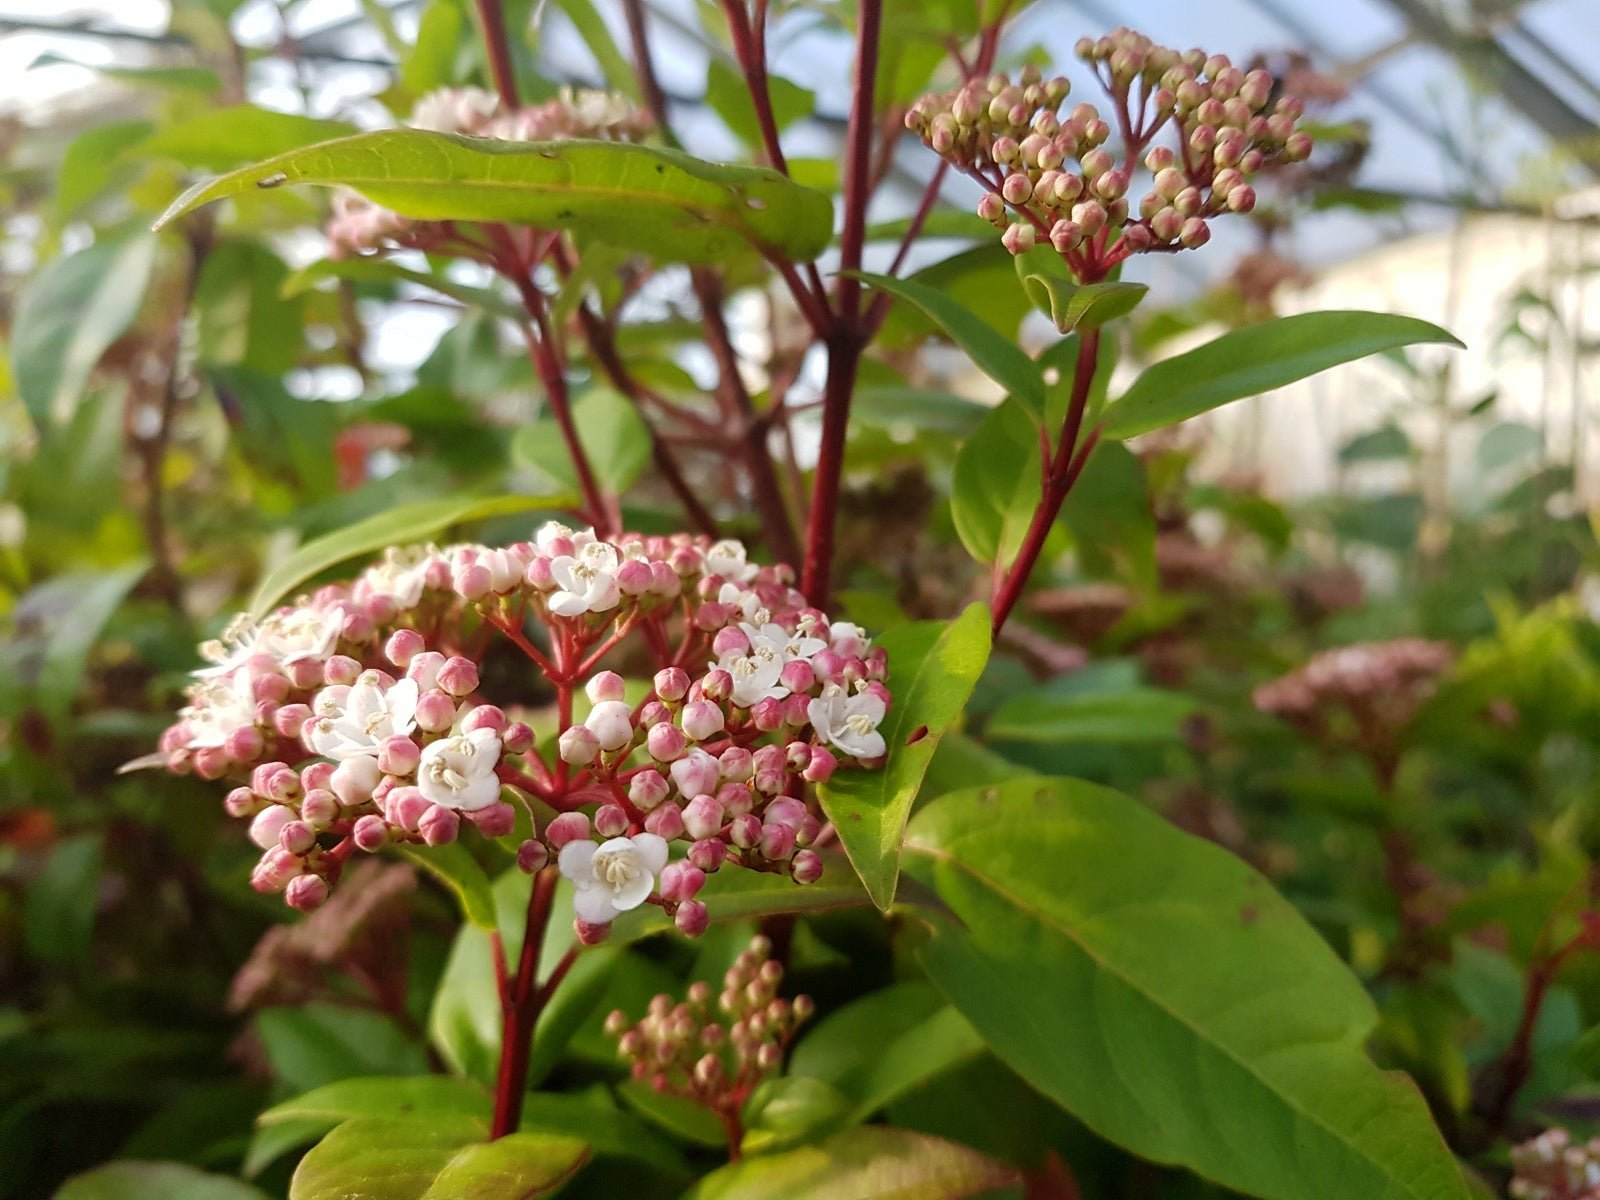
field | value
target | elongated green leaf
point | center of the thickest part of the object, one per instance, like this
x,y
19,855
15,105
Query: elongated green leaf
x,y
224,137
729,97
384,1096
869,1163
790,1109
610,430
1159,989
660,202
933,667
1069,304
62,899
69,314
1256,359
398,526
384,270
1128,716
90,163
154,1181
996,488
996,355
87,603
452,865
433,1157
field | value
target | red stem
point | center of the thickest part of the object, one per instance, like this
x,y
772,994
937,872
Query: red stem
x,y
494,40
520,1009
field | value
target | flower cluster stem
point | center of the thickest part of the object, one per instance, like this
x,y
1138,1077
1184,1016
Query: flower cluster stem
x,y
521,1001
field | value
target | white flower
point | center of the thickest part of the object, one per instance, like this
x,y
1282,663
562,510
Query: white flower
x,y
746,601
755,672
454,110
614,876
401,576
587,581
458,772
288,635
849,722
846,638
728,559
357,720
217,708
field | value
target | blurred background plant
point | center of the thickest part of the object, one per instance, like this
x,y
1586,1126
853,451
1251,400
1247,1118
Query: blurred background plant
x,y
178,411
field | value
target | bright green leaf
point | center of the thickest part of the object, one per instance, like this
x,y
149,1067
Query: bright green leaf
x,y
154,1181
1257,359
996,487
1069,304
729,97
933,667
613,434
387,271
87,602
384,1096
243,319
791,1109
1158,988
225,137
868,1163
657,201
90,163
68,315
1124,717
453,866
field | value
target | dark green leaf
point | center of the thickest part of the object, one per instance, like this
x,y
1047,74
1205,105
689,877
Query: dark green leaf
x,y
729,97
996,355
869,1163
383,1096
1256,359
154,1181
933,667
68,315
657,201
311,1045
1109,513
1387,442
383,270
1159,989
62,900
678,1115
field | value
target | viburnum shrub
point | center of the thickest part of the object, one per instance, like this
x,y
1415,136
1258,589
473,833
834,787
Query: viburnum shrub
x,y
667,729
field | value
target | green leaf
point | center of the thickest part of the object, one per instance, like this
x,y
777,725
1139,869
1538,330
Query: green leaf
x,y
1069,304
154,1181
62,899
430,61
610,430
243,318
1109,513
591,26
996,355
387,271
453,866
678,1115
1124,717
741,895
384,1096
869,1163
90,163
995,488
933,667
225,137
660,202
1385,442
311,1045
87,602
1160,990
434,1158
791,1109
729,97
917,410
68,315
398,526
1256,359
1507,443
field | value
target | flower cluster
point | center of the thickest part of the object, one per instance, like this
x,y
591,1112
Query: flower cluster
x,y
1068,183
359,226
715,1056
1551,1167
353,719
1379,685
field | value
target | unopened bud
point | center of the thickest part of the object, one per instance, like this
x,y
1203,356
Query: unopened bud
x,y
306,893
691,918
439,826
578,746
610,821
568,827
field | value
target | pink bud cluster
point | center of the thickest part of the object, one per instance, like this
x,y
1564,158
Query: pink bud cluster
x,y
1068,179
1552,1167
347,728
358,226
1380,684
715,1055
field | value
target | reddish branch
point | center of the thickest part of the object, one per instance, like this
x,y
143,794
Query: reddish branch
x,y
521,1002
499,48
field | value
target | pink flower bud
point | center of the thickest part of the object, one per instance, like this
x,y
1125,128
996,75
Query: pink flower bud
x,y
423,670
517,738
590,934
712,616
702,817
1019,238
735,764
405,807
269,824
399,755
484,716
245,744
495,820
666,743
283,784
320,808
826,665
439,826
992,207
653,713
610,821
316,775
240,802
708,854
664,581
701,720
403,645
681,881
472,582
276,868
296,837
340,670
304,674
531,857
578,746
671,684
735,798
647,789
806,832
797,675
568,827
785,810
270,687
356,627
538,574
691,918
717,684
767,714
459,676
1242,199
634,577
371,833
821,767
745,831
353,780
796,755
665,821
695,772
730,640
291,719
607,685
306,893
436,711
1194,234
777,841
806,866
795,710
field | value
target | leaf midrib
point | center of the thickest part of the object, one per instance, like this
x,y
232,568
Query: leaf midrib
x,y
1103,964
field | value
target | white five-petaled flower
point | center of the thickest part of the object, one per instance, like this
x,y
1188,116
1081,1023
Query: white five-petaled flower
x,y
402,575
850,722
614,876
728,559
458,772
358,719
288,635
587,581
218,707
